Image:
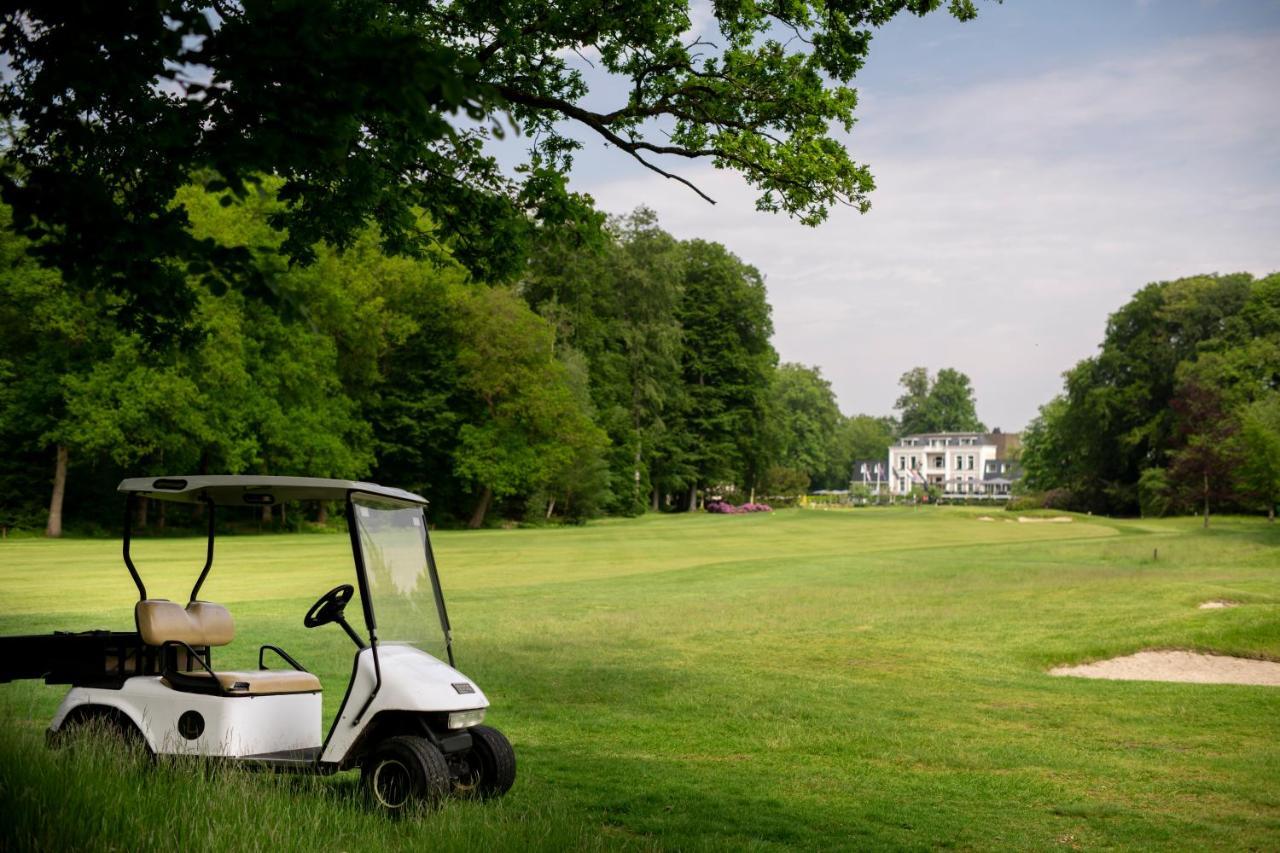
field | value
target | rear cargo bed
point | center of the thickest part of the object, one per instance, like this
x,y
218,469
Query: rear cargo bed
x,y
88,658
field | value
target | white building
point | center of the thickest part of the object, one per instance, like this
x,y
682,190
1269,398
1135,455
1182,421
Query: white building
x,y
961,464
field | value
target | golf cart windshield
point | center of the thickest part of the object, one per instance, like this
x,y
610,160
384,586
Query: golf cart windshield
x,y
404,593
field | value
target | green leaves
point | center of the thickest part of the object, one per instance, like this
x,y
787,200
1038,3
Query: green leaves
x,y
1165,391
370,112
942,404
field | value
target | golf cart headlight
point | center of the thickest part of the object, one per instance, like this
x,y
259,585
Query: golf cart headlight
x,y
466,719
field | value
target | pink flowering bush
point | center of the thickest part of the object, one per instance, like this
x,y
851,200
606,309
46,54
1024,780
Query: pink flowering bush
x,y
726,508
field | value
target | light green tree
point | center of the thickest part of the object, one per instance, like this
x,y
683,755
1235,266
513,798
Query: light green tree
x,y
533,427
1260,445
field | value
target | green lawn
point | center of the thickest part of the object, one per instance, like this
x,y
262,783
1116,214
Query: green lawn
x,y
809,679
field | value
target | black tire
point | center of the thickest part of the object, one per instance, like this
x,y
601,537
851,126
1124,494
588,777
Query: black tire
x,y
489,768
404,770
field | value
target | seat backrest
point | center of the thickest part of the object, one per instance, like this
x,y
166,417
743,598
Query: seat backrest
x,y
200,623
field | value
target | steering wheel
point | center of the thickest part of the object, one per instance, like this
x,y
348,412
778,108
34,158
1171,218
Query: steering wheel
x,y
330,606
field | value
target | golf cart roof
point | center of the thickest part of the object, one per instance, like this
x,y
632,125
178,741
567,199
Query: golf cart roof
x,y
255,490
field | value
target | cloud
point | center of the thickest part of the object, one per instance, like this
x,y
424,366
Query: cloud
x,y
1010,218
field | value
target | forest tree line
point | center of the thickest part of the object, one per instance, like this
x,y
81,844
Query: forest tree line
x,y
623,370
1178,412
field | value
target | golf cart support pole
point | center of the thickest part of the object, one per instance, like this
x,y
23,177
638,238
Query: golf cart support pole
x,y
439,595
208,561
365,604
130,503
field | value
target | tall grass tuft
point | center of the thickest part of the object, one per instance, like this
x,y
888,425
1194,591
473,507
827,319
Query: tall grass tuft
x,y
97,792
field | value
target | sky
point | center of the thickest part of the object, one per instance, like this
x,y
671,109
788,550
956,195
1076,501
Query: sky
x,y
1034,168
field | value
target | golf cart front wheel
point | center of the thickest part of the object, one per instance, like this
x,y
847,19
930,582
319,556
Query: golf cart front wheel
x,y
490,766
404,770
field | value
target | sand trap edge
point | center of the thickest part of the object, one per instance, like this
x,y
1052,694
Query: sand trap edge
x,y
1178,666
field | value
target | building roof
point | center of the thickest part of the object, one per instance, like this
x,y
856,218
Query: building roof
x,y
256,490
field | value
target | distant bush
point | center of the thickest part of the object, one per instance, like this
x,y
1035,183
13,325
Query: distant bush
x,y
1063,499
726,508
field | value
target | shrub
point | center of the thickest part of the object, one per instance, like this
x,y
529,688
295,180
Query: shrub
x,y
726,508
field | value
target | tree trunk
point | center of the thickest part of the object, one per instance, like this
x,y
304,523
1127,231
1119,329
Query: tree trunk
x,y
693,498
322,517
141,520
1271,514
482,509
551,507
54,528
266,513
635,491
160,520
1206,500
657,499
284,520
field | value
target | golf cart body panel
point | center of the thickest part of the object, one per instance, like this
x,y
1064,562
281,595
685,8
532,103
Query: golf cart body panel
x,y
178,723
412,680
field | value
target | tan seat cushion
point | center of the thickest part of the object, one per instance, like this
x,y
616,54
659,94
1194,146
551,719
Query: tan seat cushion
x,y
200,623
263,682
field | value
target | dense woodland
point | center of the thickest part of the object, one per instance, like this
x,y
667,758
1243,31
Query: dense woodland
x,y
272,239
1178,412
624,370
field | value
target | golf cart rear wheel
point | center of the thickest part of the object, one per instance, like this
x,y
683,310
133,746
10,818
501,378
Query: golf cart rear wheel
x,y
488,769
404,770
93,727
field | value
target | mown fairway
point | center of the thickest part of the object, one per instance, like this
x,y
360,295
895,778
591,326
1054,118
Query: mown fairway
x,y
801,679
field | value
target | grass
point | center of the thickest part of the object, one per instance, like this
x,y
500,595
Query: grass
x,y
805,679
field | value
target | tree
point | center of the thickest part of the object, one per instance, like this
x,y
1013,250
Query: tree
x,y
808,436
1260,451
614,304
914,400
49,336
944,403
1046,451
804,421
860,438
1203,467
370,110
1115,418
534,427
718,437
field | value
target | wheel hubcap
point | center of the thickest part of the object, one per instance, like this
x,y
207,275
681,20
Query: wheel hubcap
x,y
392,784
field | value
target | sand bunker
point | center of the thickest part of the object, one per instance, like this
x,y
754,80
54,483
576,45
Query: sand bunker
x,y
1190,667
1057,519
985,518
1218,604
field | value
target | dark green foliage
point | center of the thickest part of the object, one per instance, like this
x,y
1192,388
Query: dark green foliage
x,y
373,111
944,403
1260,449
804,422
725,370
1176,367
1154,495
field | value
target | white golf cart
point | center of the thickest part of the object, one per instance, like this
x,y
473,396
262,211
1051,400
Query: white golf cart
x,y
408,720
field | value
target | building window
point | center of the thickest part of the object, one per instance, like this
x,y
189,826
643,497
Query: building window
x,y
939,462
970,463
902,463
